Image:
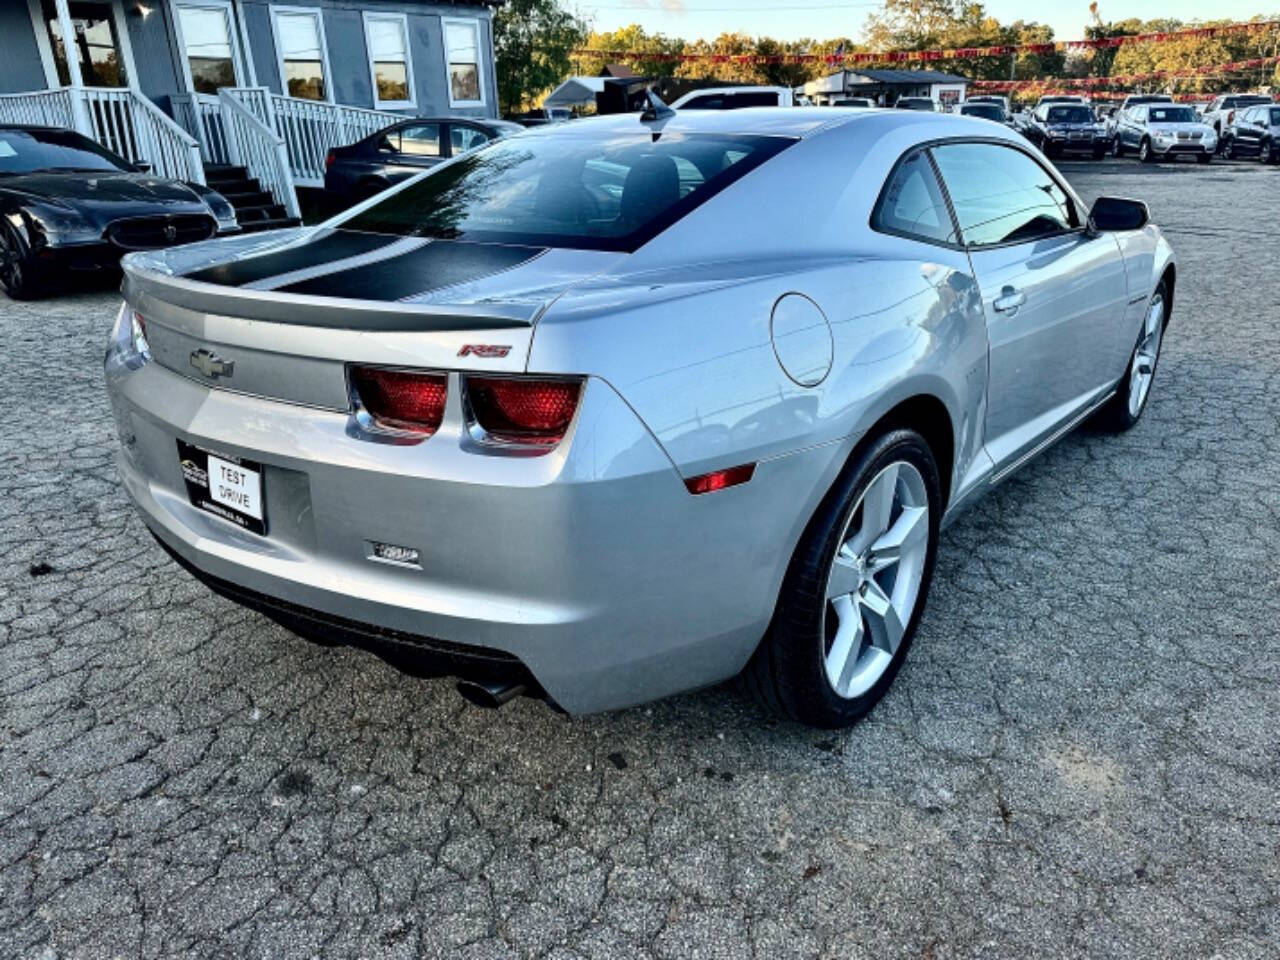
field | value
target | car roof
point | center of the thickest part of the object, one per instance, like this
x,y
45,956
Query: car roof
x,y
799,122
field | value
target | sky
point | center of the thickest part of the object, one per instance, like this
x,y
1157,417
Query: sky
x,y
693,19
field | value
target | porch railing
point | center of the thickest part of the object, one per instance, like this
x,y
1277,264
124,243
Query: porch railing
x,y
254,145
120,119
310,128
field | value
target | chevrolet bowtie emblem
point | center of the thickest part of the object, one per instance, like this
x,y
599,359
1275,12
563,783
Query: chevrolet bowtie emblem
x,y
211,365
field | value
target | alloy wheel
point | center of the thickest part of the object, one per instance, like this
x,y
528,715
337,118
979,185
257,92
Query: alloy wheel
x,y
10,263
1142,369
874,581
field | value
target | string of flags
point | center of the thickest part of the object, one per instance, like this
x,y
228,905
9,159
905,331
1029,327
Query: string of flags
x,y
1122,81
840,57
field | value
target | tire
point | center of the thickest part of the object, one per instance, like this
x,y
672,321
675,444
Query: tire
x,y
17,274
1145,153
1117,148
1228,151
1270,153
1125,407
790,673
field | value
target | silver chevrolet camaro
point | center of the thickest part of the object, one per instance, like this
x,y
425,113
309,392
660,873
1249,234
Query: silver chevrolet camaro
x,y
619,408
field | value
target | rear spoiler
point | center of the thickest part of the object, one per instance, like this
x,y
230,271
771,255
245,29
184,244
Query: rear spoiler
x,y
143,287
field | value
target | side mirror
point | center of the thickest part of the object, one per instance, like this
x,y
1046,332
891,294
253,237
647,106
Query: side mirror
x,y
142,166
1117,213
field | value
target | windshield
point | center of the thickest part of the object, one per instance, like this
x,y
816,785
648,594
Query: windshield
x,y
988,111
915,103
566,190
28,151
1275,116
1171,115
1070,115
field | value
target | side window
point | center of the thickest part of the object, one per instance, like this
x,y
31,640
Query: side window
x,y
462,139
389,142
1001,195
912,203
422,140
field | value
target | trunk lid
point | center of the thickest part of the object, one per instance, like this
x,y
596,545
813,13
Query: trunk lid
x,y
282,321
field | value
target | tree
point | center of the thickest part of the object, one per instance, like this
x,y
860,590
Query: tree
x,y
532,43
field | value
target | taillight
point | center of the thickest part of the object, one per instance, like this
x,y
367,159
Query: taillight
x,y
1231,117
403,401
523,410
328,160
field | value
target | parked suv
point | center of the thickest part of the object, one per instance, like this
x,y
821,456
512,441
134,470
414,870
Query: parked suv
x,y
1134,100
1255,133
1221,113
1057,128
1157,130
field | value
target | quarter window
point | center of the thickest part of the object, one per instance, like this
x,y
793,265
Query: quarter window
x,y
1001,195
912,203
300,41
463,138
388,39
462,47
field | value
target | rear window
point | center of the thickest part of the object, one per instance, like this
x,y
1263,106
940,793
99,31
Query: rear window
x,y
988,111
1275,116
589,193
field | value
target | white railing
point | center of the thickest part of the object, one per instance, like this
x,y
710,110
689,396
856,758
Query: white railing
x,y
256,147
310,128
49,108
120,119
200,114
129,124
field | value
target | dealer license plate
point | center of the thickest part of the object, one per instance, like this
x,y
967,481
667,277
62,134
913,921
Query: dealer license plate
x,y
228,487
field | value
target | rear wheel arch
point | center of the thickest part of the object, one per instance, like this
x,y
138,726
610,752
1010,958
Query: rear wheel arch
x,y
928,416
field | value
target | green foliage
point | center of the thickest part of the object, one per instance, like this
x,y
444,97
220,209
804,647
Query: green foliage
x,y
532,42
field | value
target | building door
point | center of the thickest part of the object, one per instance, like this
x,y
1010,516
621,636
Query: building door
x,y
96,43
210,49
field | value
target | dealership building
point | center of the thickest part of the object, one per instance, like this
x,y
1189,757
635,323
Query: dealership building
x,y
886,86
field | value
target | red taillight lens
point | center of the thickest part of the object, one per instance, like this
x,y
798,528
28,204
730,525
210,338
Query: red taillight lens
x,y
719,479
401,400
1231,117
328,160
523,410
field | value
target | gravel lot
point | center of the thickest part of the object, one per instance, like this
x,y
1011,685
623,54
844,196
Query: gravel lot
x,y
1082,756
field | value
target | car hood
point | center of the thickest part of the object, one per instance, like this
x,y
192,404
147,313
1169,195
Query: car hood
x,y
101,189
1181,128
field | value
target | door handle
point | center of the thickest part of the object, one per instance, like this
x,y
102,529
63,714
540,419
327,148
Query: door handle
x,y
1009,300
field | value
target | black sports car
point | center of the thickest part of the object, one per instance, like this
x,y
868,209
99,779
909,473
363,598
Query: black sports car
x,y
67,203
369,166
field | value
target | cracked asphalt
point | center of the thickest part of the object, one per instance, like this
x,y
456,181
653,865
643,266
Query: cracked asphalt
x,y
1081,757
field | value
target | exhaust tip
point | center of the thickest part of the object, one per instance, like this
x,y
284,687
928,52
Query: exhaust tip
x,y
491,696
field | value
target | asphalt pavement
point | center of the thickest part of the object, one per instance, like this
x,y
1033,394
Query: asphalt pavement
x,y
1081,757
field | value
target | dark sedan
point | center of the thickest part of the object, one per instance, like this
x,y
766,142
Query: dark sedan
x,y
68,204
369,166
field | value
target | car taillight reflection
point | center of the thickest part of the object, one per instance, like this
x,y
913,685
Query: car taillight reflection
x,y
402,401
523,410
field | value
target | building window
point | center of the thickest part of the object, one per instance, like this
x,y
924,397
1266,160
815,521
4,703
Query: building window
x,y
462,57
209,46
301,48
388,39
96,44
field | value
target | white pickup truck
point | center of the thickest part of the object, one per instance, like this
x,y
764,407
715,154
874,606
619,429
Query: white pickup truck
x,y
1222,112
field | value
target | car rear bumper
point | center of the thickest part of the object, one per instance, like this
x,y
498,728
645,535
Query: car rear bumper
x,y
592,566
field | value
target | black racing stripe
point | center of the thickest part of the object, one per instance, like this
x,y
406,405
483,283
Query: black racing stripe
x,y
336,246
441,263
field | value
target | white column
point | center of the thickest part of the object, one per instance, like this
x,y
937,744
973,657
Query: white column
x,y
79,111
